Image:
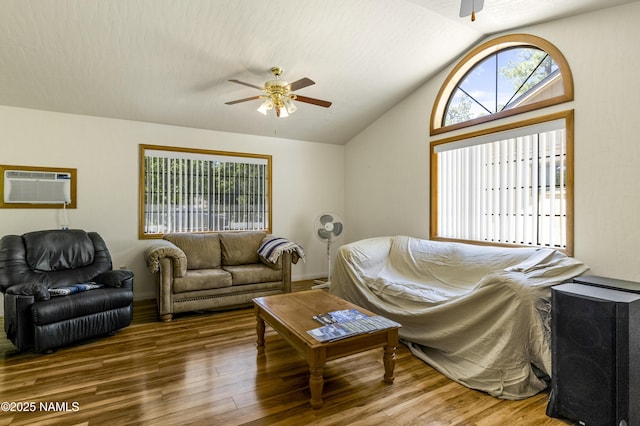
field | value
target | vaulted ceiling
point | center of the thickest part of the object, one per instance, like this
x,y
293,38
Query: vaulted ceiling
x,y
168,61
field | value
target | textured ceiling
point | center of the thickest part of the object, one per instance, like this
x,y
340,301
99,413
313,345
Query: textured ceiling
x,y
168,61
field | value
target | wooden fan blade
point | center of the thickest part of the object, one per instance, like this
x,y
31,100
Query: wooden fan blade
x,y
318,102
247,84
242,100
303,82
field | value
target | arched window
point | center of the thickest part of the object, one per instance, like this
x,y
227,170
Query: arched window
x,y
503,77
511,184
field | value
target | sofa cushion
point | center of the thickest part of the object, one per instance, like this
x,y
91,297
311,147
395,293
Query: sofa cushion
x,y
253,273
80,304
202,279
202,250
57,250
241,248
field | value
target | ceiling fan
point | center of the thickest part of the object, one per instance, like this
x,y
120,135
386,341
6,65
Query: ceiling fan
x,y
279,94
470,7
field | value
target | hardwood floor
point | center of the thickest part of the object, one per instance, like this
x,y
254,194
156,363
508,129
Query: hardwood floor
x,y
203,369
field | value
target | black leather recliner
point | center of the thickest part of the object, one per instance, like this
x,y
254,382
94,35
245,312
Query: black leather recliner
x,y
34,263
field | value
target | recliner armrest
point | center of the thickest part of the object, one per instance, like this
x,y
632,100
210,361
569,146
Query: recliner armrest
x,y
119,278
17,317
37,290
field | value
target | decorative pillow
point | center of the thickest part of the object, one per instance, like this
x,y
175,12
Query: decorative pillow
x,y
202,250
241,248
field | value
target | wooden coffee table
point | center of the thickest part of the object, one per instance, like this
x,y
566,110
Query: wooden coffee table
x,y
291,315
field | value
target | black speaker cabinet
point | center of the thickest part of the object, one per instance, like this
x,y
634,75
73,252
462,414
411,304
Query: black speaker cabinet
x,y
595,342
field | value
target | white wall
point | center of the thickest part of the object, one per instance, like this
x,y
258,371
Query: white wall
x,y
105,153
387,165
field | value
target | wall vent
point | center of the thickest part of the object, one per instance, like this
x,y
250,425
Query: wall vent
x,y
36,187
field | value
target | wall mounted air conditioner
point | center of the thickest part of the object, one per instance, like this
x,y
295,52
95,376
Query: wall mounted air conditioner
x,y
36,187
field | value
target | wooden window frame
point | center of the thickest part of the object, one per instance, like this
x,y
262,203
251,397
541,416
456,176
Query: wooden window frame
x,y
568,116
479,54
203,152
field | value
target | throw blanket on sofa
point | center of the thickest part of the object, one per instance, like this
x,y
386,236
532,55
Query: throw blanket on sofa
x,y
72,289
272,248
478,314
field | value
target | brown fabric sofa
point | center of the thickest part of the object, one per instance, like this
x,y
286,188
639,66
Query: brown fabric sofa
x,y
214,271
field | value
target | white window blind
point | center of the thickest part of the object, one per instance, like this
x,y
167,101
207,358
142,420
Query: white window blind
x,y
196,192
505,188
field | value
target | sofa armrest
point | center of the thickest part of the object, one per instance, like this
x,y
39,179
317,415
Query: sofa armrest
x,y
370,254
118,278
286,271
160,249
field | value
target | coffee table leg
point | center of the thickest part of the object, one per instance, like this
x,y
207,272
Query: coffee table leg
x,y
389,357
389,360
316,383
260,327
316,362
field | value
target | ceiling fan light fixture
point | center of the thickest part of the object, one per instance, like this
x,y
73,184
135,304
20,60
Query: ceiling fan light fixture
x,y
282,112
290,106
265,106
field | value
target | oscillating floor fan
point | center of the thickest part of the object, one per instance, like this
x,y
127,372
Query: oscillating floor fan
x,y
327,227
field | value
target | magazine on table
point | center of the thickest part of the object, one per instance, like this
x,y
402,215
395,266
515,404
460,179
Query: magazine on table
x,y
344,315
346,323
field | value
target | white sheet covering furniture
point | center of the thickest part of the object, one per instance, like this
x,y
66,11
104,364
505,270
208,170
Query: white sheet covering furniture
x,y
478,314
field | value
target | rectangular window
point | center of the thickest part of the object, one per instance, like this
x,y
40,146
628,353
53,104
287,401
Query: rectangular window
x,y
187,190
509,187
